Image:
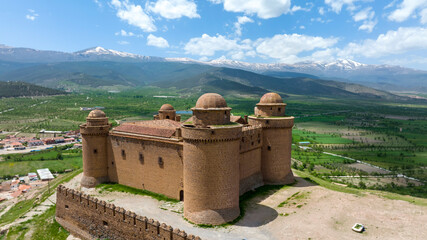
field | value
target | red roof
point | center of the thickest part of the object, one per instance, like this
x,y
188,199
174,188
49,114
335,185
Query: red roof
x,y
23,187
159,128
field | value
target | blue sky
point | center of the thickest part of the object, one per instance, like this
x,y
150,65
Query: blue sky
x,y
269,31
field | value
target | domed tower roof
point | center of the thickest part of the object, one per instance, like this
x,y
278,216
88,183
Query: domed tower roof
x,y
270,105
271,98
166,107
211,100
96,114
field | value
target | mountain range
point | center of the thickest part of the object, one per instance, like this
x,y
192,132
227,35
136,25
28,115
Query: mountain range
x,y
99,67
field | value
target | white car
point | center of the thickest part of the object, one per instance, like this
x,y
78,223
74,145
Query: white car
x,y
358,227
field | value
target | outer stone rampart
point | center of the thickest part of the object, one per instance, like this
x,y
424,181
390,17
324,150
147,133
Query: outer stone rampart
x,y
89,218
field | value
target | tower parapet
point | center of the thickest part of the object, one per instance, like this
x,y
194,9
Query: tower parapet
x,y
211,163
277,139
94,140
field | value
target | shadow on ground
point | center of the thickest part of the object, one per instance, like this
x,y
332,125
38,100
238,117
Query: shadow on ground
x,y
256,214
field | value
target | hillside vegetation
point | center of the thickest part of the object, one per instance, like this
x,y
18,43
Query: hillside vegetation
x,y
79,76
20,89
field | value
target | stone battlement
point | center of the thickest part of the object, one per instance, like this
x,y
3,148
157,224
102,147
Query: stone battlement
x,y
89,218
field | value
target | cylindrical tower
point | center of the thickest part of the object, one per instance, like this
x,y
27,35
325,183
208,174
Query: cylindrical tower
x,y
94,140
277,139
167,112
211,163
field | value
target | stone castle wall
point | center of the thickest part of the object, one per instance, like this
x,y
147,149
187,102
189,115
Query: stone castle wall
x,y
155,166
276,150
211,174
250,159
89,218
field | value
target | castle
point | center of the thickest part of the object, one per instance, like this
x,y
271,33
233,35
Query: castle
x,y
210,159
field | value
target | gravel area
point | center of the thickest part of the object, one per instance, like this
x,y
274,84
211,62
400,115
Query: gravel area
x,y
317,213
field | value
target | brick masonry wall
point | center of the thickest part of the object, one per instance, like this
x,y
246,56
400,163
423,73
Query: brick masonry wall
x,y
211,174
89,218
250,159
276,149
151,165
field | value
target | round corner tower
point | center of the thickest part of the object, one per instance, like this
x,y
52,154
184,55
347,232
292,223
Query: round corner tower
x,y
166,111
211,163
277,139
94,140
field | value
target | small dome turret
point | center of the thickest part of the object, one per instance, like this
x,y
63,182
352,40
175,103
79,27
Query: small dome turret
x,y
211,100
270,98
166,107
211,109
96,114
270,105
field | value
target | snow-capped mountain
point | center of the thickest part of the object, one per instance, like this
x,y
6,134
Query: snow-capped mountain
x,y
379,76
91,54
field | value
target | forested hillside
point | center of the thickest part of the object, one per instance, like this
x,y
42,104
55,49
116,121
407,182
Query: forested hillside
x,y
20,89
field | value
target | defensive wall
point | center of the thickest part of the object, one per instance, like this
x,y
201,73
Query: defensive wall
x,y
250,159
89,218
145,163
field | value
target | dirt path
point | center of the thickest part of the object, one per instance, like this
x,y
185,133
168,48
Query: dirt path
x,y
314,212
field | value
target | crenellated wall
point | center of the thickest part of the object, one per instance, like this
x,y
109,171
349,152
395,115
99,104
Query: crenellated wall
x,y
89,218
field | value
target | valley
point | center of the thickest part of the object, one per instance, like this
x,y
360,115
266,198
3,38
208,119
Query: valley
x,y
350,127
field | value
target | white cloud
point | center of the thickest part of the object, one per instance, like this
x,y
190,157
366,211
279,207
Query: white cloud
x,y
368,25
364,14
336,5
157,41
367,16
124,33
298,8
123,42
208,46
424,16
173,9
286,47
390,5
406,9
302,27
134,15
393,42
32,15
321,11
263,8
97,2
240,21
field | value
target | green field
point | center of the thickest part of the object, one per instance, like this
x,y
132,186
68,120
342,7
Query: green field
x,y
389,134
57,160
303,135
